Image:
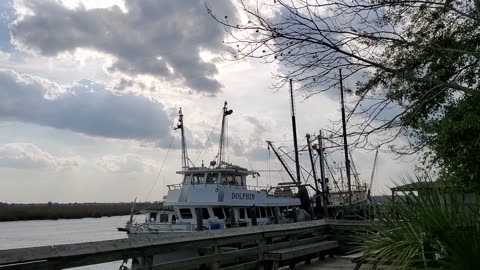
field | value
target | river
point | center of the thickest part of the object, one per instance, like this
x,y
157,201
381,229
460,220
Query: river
x,y
20,234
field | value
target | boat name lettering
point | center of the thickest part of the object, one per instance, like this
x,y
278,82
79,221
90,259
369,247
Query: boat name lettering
x,y
243,196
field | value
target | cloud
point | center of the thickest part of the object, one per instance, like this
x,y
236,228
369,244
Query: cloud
x,y
164,39
29,156
85,107
128,163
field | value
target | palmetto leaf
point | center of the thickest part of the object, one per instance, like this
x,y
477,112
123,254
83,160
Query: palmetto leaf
x,y
427,226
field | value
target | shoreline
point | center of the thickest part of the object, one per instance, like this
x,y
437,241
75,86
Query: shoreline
x,y
55,211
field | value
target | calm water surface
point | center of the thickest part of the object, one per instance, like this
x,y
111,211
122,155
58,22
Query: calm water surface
x,y
19,234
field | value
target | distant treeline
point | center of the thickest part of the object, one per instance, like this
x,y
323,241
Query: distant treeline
x,y
12,212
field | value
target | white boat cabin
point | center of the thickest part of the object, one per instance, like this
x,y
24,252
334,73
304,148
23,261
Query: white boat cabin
x,y
223,199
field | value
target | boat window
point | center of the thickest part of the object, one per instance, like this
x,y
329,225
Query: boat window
x,y
205,214
238,180
186,179
269,212
242,213
212,178
263,212
248,212
163,217
218,212
198,178
153,217
257,212
186,213
228,179
174,219
224,179
227,211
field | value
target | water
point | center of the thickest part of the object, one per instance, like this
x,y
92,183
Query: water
x,y
20,234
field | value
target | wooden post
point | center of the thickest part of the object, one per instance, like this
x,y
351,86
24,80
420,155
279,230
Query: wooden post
x,y
215,265
253,215
276,215
147,262
233,218
261,251
199,214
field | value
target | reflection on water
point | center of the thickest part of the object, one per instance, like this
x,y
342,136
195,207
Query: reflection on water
x,y
19,234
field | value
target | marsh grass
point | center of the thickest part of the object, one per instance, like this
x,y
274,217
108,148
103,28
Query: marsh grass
x,y
13,212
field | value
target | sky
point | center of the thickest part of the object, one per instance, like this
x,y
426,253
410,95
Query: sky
x,y
90,93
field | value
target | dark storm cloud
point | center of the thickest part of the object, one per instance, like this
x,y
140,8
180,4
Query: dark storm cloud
x,y
85,107
159,38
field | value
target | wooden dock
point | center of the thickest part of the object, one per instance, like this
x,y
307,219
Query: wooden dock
x,y
329,264
256,247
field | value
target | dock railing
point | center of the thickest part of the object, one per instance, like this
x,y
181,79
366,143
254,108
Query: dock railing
x,y
236,248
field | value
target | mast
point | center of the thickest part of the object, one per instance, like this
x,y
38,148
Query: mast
x,y
312,163
221,150
294,128
184,144
318,194
345,143
373,174
322,173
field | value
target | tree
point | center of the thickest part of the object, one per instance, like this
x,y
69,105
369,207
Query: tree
x,y
409,58
454,140
414,63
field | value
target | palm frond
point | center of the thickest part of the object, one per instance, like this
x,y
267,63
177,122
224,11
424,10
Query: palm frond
x,y
427,226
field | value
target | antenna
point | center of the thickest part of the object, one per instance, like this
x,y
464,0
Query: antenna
x,y
221,150
184,144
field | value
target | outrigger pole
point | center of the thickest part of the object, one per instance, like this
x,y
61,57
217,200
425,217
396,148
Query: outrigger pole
x,y
345,143
284,164
184,144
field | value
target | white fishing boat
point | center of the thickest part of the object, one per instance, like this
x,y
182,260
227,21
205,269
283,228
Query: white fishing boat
x,y
218,197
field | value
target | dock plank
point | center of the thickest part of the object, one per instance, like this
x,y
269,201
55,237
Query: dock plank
x,y
327,264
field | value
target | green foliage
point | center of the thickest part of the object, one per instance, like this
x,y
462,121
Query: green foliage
x,y
455,142
416,65
430,229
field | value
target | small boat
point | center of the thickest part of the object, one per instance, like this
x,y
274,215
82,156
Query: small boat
x,y
218,197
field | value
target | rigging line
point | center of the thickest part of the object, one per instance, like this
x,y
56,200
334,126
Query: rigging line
x,y
293,160
278,168
310,173
208,139
245,154
161,168
334,181
227,154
